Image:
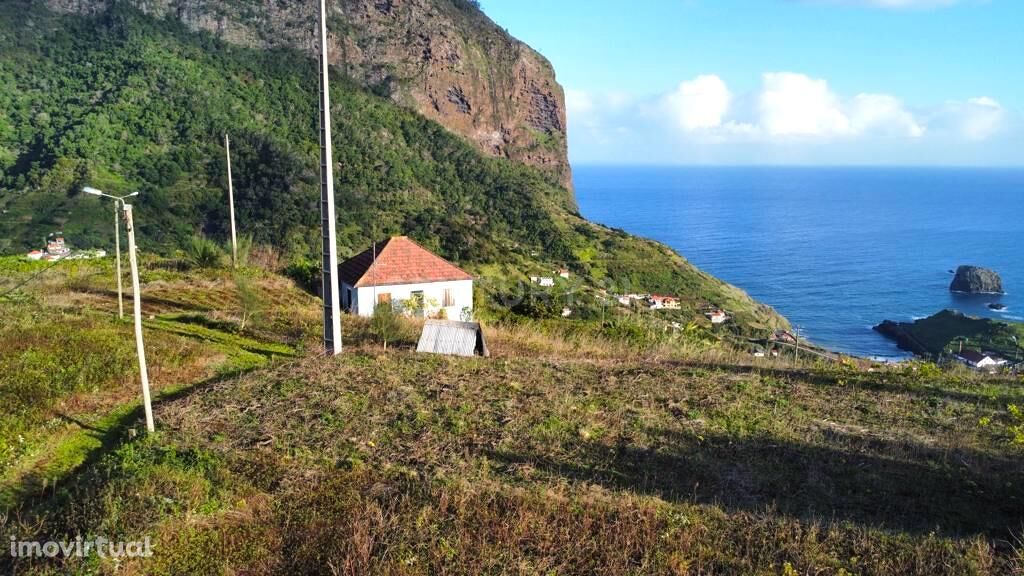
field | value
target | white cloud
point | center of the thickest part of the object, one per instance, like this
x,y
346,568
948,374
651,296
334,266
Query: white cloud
x,y
787,108
883,114
788,105
893,4
578,103
976,119
797,105
699,104
600,117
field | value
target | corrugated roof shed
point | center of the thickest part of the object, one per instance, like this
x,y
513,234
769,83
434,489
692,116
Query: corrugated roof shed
x,y
453,338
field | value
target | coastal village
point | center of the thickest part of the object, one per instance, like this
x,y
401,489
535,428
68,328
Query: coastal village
x,y
58,249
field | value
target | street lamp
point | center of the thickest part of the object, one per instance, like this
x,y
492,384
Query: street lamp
x,y
133,260
117,241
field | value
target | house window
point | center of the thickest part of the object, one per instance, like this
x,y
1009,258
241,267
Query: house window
x,y
384,298
448,298
417,303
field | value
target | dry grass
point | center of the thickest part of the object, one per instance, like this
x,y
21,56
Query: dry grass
x,y
565,453
404,464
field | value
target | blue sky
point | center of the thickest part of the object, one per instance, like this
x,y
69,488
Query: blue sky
x,y
908,82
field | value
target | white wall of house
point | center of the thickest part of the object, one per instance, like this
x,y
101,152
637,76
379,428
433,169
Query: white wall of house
x,y
361,301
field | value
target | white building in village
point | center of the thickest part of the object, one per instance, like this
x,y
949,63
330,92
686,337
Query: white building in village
x,y
979,360
399,272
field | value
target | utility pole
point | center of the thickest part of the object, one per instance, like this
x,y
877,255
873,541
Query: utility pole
x,y
140,347
117,240
231,203
332,310
117,249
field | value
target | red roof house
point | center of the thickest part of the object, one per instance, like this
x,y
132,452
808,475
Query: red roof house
x,y
400,272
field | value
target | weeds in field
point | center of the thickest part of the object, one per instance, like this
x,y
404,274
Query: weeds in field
x,y
1016,427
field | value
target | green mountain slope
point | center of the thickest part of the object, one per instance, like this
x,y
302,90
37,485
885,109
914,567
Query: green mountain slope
x,y
126,102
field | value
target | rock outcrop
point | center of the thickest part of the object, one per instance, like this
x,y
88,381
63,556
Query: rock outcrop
x,y
898,332
975,280
443,58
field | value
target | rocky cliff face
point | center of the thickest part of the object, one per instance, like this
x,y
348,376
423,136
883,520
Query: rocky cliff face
x,y
974,280
443,58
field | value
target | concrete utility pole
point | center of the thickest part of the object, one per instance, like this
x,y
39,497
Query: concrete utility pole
x,y
231,204
332,309
117,249
117,241
140,347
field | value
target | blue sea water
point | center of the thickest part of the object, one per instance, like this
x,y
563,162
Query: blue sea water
x,y
836,250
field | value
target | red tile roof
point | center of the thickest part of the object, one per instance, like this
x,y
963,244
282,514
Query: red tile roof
x,y
399,261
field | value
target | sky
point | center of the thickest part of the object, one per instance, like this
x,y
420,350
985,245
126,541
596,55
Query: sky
x,y
796,82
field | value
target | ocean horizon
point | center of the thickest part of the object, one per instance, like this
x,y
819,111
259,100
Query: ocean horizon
x,y
837,249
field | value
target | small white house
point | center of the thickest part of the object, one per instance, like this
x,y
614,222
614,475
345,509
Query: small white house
x,y
543,281
663,302
399,272
979,360
717,317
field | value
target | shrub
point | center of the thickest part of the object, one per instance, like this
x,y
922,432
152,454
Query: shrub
x,y
202,252
305,272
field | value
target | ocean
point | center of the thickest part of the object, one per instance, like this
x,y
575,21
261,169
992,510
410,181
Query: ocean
x,y
835,250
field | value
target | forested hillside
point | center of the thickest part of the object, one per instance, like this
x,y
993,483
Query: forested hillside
x,y
126,102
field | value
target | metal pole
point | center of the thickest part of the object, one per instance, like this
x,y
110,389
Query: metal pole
x,y
140,347
117,249
231,203
332,309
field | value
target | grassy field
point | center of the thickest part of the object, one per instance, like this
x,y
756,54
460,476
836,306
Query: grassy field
x,y
568,452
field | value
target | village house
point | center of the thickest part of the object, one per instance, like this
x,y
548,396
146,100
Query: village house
x,y
663,302
56,249
717,316
980,360
408,277
783,336
543,281
563,273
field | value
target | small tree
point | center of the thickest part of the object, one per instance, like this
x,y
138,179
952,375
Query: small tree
x,y
249,298
244,249
385,324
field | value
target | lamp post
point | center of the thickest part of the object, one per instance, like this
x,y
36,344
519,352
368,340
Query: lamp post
x,y
117,241
137,308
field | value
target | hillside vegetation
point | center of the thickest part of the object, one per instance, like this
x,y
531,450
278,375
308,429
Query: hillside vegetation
x,y
944,333
562,454
124,102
